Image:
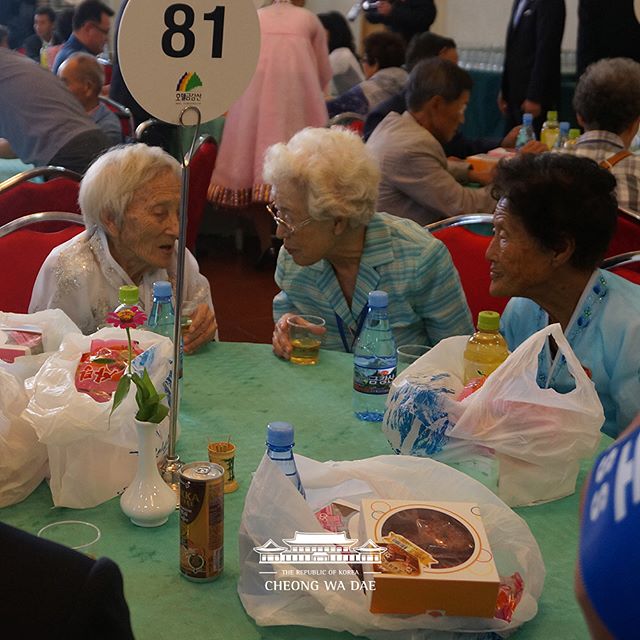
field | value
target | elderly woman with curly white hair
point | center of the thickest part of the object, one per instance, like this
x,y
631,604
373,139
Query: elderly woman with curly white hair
x,y
130,200
336,248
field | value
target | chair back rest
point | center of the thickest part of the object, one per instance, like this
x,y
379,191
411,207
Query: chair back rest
x,y
467,248
19,197
349,120
107,67
627,234
125,117
626,265
15,292
201,166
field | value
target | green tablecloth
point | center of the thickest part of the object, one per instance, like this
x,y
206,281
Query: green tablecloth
x,y
235,389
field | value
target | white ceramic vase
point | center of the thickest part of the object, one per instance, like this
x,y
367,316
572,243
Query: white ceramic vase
x,y
148,500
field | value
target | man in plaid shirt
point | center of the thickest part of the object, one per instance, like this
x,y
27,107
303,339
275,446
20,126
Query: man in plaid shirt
x,y
607,103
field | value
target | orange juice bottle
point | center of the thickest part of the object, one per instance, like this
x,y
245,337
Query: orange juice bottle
x,y
486,349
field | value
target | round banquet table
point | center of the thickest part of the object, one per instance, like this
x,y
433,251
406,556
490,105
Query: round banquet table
x,y
234,389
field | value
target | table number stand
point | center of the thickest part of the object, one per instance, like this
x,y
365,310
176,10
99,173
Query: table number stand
x,y
171,469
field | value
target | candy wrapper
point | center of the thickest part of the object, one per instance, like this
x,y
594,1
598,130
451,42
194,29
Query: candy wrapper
x,y
100,370
509,595
19,341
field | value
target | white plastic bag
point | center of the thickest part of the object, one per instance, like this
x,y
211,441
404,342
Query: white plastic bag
x,y
92,458
274,510
23,460
530,439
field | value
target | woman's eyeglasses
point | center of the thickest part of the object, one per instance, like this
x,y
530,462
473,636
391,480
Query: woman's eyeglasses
x,y
287,227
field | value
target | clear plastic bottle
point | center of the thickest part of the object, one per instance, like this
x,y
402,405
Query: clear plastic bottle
x,y
375,361
563,136
486,349
128,296
526,133
280,450
572,138
162,316
550,129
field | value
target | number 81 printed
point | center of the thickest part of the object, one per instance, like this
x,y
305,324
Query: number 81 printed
x,y
184,29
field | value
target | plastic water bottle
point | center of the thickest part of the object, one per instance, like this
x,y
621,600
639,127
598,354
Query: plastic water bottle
x,y
572,138
280,450
375,361
128,296
526,133
563,136
162,316
486,349
550,129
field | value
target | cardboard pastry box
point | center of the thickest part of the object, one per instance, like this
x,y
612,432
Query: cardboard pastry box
x,y
19,341
437,558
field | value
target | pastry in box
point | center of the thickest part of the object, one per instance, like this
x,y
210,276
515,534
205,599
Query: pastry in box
x,y
437,558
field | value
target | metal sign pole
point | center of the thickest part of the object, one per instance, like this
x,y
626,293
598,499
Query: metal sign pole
x,y
171,472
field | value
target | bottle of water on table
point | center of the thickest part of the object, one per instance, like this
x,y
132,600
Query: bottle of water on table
x,y
526,133
375,361
162,316
280,450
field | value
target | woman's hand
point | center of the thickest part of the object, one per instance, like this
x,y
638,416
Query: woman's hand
x,y
202,329
281,341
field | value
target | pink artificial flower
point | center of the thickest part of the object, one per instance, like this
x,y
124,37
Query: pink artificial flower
x,y
129,318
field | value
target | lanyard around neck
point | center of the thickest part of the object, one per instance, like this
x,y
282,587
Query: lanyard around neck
x,y
342,328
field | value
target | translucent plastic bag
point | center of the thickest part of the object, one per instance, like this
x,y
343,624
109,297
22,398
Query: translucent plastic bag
x,y
523,441
274,511
92,458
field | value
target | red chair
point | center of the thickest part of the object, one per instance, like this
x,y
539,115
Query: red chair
x,y
201,165
467,249
627,235
25,250
107,67
626,265
348,120
125,117
19,196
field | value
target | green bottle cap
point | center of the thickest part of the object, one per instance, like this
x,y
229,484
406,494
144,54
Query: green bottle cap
x,y
552,115
488,321
128,294
574,134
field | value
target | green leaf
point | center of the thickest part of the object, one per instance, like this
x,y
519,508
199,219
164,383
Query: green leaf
x,y
121,393
102,360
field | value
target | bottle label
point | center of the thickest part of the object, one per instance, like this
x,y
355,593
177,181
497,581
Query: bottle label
x,y
374,381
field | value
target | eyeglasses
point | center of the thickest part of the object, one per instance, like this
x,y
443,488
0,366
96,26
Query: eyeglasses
x,y
99,28
287,227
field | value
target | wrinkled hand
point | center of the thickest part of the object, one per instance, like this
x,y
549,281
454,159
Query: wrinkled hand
x,y
502,104
509,141
534,146
282,342
202,329
529,106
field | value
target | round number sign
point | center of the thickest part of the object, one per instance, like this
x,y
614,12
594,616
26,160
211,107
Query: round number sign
x,y
179,54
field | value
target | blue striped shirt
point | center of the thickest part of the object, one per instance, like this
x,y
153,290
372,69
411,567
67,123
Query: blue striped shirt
x,y
426,301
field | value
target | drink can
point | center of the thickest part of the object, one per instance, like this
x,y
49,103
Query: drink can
x,y
201,521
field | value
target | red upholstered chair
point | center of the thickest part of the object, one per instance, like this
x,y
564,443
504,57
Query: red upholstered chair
x,y
107,67
627,234
348,120
19,196
125,117
467,248
25,249
200,168
626,265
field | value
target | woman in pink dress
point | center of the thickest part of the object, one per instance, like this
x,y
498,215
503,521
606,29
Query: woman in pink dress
x,y
285,95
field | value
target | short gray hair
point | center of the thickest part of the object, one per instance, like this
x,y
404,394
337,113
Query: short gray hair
x,y
88,69
436,77
332,167
114,178
608,95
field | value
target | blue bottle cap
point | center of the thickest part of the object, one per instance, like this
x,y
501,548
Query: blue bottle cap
x,y
162,289
378,299
527,118
280,434
564,127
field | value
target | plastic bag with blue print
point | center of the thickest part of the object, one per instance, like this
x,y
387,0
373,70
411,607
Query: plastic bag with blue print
x,y
522,441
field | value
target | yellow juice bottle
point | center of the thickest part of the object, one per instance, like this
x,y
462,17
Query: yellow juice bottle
x,y
486,349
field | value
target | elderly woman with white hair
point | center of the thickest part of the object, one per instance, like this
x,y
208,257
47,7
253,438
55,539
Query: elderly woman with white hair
x,y
130,201
336,248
